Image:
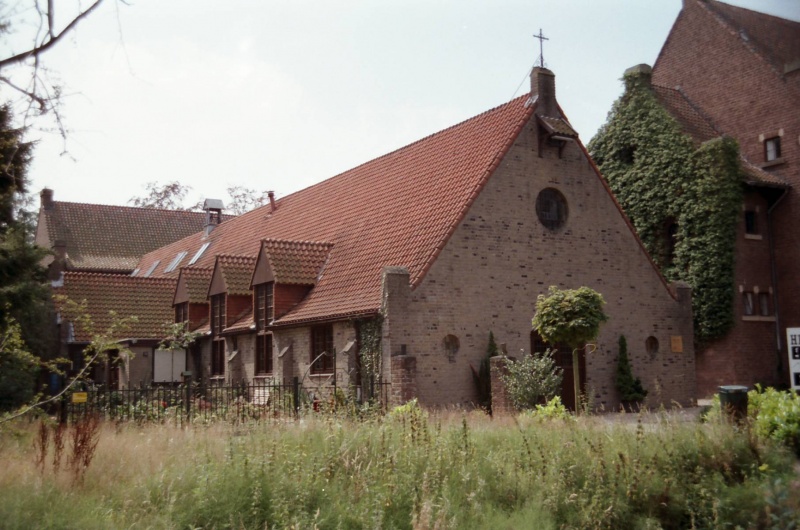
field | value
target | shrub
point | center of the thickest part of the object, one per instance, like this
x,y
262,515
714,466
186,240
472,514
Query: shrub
x,y
630,388
776,415
552,410
532,378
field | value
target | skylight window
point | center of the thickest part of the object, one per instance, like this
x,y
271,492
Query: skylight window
x,y
199,253
175,262
152,268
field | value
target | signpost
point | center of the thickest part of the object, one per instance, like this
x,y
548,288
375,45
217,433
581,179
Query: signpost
x,y
793,340
79,397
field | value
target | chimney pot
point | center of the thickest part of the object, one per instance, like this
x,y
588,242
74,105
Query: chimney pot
x,y
271,195
46,197
543,90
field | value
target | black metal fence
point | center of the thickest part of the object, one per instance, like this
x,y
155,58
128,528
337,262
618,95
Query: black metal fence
x,y
199,402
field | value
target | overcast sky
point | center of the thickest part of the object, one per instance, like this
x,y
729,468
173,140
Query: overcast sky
x,y
282,94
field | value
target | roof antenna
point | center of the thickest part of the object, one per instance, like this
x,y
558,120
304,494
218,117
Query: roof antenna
x,y
541,38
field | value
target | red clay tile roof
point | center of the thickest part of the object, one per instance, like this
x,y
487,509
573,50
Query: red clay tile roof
x,y
700,128
756,176
297,262
245,323
396,210
689,117
237,272
775,39
197,280
113,238
149,299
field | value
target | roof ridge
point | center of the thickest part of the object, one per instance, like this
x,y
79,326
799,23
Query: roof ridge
x,y
402,148
478,187
751,42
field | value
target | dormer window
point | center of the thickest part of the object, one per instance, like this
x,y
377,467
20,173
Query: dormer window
x,y
265,305
217,341
772,148
181,312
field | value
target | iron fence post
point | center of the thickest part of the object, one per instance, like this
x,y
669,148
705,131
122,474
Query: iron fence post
x,y
296,395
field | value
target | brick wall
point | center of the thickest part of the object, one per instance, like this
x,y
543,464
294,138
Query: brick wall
x,y
501,257
747,355
749,99
404,379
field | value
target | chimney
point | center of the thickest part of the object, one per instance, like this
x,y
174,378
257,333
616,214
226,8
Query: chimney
x,y
543,90
46,197
271,195
213,209
641,74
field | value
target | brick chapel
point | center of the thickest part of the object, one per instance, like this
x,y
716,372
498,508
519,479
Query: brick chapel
x,y
434,245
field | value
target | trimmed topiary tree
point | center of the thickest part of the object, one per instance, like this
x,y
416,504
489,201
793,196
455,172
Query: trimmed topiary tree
x,y
572,317
630,388
482,376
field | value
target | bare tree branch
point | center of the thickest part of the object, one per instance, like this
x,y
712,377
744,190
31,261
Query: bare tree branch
x,y
51,39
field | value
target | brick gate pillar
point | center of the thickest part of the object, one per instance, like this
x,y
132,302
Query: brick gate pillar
x,y
501,404
404,379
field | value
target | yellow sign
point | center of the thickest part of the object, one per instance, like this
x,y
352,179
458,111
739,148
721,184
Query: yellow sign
x,y
677,343
80,397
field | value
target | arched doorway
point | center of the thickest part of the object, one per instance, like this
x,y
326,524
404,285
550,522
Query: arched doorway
x,y
563,358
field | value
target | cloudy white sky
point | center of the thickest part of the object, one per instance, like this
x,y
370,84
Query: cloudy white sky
x,y
282,94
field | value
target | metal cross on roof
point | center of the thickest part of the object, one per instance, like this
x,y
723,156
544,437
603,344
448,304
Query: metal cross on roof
x,y
541,38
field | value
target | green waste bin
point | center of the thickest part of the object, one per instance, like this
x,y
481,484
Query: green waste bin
x,y
733,402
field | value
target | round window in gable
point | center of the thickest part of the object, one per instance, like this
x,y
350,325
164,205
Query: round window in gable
x,y
551,208
651,344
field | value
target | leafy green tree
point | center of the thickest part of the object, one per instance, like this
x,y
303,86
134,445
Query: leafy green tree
x,y
24,295
572,317
18,368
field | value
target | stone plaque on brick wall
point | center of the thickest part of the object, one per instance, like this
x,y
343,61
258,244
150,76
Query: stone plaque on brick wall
x,y
676,343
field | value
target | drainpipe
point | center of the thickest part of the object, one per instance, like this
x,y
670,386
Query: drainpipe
x,y
778,337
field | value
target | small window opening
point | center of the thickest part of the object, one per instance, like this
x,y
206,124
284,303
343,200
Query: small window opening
x,y
772,148
764,306
748,301
451,347
750,222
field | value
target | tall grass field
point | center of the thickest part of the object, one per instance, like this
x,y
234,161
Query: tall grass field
x,y
406,470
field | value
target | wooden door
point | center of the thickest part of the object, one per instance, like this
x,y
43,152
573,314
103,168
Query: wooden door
x,y
563,358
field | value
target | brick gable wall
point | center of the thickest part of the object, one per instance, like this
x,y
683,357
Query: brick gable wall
x,y
500,258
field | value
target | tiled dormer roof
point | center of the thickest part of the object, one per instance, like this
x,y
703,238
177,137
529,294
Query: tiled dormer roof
x,y
148,299
196,280
396,210
296,262
693,122
237,272
112,238
776,39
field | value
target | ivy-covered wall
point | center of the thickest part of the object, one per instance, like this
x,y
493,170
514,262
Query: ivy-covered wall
x,y
683,199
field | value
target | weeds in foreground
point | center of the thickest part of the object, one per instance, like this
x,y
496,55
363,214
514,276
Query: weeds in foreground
x,y
409,470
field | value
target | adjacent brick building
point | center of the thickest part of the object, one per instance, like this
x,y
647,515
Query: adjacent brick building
x,y
732,71
434,246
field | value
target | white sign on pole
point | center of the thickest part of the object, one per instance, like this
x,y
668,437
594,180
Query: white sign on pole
x,y
793,341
